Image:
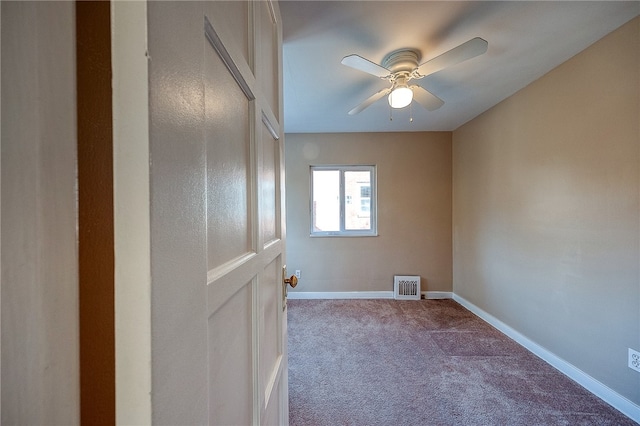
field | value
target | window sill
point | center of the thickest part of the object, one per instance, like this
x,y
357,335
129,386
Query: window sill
x,y
342,234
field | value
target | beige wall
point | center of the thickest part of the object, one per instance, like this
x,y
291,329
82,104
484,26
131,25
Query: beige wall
x,y
546,210
40,360
414,212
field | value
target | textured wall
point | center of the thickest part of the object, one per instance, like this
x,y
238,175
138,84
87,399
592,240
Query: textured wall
x,y
546,210
40,367
414,212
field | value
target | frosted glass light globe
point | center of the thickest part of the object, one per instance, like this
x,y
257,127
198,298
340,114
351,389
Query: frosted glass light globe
x,y
400,97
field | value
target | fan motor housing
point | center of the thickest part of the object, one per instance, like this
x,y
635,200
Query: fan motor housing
x,y
401,60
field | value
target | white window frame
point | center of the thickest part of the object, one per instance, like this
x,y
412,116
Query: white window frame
x,y
373,218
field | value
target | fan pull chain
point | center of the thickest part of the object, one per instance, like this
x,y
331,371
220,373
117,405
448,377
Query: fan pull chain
x,y
410,113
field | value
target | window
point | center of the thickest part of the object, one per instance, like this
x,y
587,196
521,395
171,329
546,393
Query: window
x,y
343,201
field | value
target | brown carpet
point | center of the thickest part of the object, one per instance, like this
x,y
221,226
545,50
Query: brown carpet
x,y
429,362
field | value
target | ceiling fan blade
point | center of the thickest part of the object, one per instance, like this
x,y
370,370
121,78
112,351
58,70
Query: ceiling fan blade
x,y
369,101
470,49
362,64
428,100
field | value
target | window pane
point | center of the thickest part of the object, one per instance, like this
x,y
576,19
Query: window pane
x,y
326,200
357,191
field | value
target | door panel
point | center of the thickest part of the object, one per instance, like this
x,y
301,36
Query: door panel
x,y
268,186
230,361
272,416
270,345
268,39
235,23
227,135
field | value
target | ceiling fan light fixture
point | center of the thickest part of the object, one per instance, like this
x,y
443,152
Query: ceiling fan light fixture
x,y
400,97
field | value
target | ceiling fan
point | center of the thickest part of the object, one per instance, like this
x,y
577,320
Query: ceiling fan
x,y
401,66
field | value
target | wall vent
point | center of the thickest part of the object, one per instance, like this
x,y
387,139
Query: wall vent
x,y
406,287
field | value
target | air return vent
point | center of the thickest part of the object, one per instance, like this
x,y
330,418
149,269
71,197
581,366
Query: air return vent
x,y
406,287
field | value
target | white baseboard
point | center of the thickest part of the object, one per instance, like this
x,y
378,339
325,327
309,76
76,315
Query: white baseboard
x,y
437,294
361,295
608,395
340,295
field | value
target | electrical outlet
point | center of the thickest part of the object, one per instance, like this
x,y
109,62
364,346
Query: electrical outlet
x,y
634,359
298,273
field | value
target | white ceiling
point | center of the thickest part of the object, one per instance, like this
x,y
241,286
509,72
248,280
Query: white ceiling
x,y
526,40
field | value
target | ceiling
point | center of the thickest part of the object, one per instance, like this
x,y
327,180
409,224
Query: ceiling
x,y
526,40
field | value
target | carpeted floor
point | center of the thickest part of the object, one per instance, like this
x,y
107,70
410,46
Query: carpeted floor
x,y
432,362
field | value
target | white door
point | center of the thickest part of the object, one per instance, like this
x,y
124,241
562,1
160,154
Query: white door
x,y
218,317
247,377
